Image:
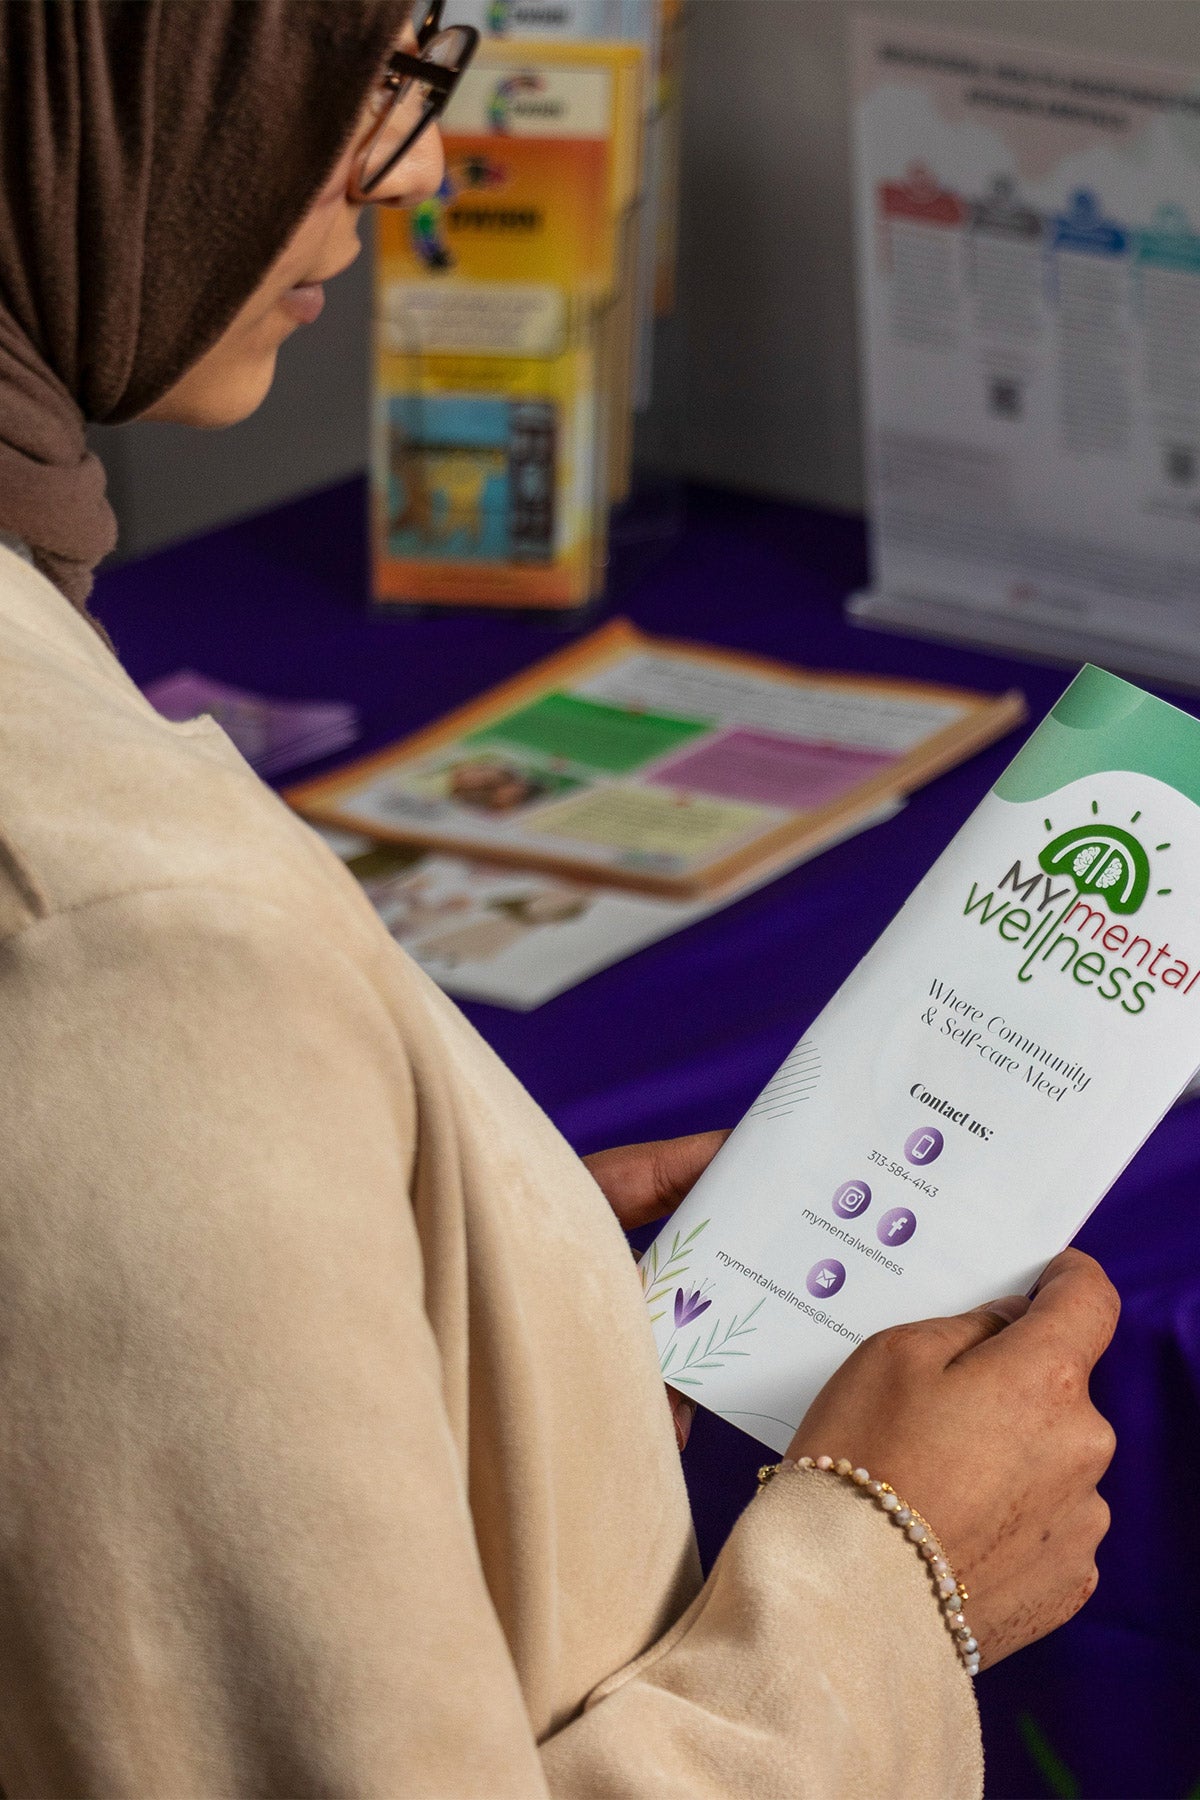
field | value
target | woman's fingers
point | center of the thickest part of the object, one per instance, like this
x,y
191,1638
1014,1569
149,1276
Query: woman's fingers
x,y
643,1181
683,1411
1073,1313
984,1422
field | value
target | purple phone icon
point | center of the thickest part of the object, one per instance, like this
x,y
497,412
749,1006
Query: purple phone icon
x,y
924,1146
851,1199
896,1225
825,1278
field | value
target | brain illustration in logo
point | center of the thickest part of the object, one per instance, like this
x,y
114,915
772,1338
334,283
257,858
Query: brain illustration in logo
x,y
1103,860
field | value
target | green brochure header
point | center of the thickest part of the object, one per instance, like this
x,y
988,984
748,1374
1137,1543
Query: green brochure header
x,y
1104,723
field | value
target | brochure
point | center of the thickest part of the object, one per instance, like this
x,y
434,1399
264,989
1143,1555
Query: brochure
x,y
656,26
273,735
656,765
518,937
486,484
948,1122
1029,277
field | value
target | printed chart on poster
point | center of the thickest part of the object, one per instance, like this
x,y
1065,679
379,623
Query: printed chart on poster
x,y
1029,263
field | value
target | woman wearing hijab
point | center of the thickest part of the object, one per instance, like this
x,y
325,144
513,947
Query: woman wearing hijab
x,y
333,1453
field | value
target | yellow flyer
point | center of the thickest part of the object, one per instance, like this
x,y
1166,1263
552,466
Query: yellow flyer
x,y
528,194
484,480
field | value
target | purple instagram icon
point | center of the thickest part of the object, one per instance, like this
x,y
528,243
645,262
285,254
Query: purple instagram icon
x,y
851,1199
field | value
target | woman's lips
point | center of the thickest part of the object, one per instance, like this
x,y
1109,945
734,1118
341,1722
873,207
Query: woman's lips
x,y
304,301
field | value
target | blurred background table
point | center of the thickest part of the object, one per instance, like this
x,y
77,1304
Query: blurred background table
x,y
682,1036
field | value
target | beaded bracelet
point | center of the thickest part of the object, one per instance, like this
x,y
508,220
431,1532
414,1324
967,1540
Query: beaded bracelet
x,y
950,1593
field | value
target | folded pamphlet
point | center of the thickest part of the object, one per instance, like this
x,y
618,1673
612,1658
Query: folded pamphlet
x,y
273,735
948,1122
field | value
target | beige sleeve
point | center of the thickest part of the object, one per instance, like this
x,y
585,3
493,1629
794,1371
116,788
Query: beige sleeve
x,y
236,1555
813,1663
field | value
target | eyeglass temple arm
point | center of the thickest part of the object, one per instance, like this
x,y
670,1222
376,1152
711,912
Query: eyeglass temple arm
x,y
418,68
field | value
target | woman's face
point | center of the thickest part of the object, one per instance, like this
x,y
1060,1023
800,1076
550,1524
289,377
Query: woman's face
x,y
233,377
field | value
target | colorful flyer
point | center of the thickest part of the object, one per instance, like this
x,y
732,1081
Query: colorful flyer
x,y
656,765
484,479
946,1124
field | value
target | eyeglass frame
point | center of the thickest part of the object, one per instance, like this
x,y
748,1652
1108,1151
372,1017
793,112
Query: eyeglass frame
x,y
402,68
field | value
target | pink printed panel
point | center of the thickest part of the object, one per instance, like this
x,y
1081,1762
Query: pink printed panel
x,y
773,771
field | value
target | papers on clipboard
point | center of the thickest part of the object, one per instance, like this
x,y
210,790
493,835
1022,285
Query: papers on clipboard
x,y
661,767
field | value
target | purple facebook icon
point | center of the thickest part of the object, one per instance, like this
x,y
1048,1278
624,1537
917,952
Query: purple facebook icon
x,y
924,1146
825,1278
896,1226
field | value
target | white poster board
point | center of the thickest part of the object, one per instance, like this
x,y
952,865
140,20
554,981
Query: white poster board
x,y
1029,269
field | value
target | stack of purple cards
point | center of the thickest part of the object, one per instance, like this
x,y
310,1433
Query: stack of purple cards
x,y
273,735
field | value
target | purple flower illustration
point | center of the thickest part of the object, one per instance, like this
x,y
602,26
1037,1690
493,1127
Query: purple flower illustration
x,y
689,1306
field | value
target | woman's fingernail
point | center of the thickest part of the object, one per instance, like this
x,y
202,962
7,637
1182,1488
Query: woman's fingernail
x,y
683,1411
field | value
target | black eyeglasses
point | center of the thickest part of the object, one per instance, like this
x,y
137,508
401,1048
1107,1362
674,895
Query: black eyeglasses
x,y
417,89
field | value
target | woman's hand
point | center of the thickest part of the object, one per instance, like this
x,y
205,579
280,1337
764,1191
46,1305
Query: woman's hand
x,y
984,1425
644,1182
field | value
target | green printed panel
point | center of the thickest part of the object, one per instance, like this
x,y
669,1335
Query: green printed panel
x,y
1103,722
587,731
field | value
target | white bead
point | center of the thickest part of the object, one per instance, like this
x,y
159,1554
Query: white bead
x,y
955,1621
904,1516
806,1462
939,1565
947,1585
875,1487
970,1646
824,1462
890,1502
842,1466
917,1534
929,1550
860,1477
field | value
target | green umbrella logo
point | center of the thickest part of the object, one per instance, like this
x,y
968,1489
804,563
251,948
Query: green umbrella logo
x,y
1104,860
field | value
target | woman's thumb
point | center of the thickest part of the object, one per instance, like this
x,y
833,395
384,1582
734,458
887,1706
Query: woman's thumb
x,y
986,1321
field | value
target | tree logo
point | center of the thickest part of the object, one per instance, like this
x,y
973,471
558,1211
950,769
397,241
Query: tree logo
x,y
1105,860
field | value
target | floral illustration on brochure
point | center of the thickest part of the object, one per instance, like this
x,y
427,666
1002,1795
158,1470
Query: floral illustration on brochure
x,y
685,1364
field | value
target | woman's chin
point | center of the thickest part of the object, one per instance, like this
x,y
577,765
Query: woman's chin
x,y
211,399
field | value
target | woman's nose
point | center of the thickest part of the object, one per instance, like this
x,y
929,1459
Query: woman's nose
x,y
418,175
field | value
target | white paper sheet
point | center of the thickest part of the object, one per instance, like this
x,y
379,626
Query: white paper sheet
x,y
515,937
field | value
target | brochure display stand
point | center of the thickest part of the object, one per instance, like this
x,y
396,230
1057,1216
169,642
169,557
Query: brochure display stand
x,y
514,312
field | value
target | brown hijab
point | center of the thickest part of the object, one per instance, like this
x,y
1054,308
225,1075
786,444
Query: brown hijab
x,y
155,156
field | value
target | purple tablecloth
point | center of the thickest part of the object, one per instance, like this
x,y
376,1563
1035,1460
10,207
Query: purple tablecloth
x,y
684,1034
